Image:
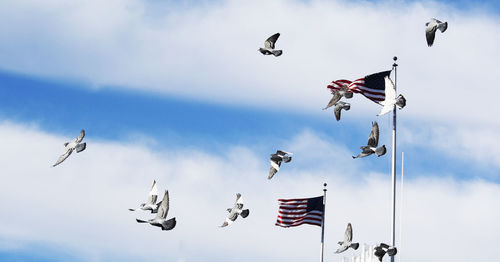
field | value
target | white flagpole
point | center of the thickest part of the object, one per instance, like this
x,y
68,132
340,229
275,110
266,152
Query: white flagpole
x,y
393,172
323,222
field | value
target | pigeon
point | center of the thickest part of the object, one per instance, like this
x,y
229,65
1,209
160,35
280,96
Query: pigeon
x,y
338,107
235,211
381,249
269,46
151,203
70,146
276,160
161,217
390,98
371,146
338,94
431,27
347,243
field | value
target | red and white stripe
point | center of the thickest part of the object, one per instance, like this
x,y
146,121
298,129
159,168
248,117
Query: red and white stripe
x,y
292,213
358,86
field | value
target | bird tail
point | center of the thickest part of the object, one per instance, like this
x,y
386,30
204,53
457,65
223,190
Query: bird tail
x,y
80,147
355,246
245,213
168,224
346,106
400,101
392,251
348,94
287,159
443,27
277,52
381,151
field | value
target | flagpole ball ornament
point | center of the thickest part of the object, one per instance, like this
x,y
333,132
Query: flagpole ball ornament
x,y
395,59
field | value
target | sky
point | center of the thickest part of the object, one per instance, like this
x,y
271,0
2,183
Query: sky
x,y
176,91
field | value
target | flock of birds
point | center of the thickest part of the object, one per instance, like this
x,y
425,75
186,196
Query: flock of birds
x,y
161,208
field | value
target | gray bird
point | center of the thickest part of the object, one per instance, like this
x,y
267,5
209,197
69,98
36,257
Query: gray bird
x,y
338,94
151,204
338,107
371,146
269,46
347,243
70,146
276,159
235,211
382,249
161,217
390,98
431,27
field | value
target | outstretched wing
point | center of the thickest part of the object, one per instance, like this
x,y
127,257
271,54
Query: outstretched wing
x,y
430,33
336,97
163,209
153,194
270,42
63,156
373,138
348,234
80,137
238,205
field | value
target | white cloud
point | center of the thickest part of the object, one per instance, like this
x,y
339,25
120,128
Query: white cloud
x,y
82,204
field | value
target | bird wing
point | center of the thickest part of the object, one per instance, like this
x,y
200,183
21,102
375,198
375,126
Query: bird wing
x,y
430,33
390,89
272,171
63,156
337,110
336,97
80,137
238,205
271,41
163,209
373,138
275,164
153,194
348,234
282,153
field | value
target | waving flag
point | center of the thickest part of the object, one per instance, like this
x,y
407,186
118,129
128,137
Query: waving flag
x,y
295,212
371,86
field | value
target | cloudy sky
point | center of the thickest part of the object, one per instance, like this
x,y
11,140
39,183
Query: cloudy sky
x,y
176,91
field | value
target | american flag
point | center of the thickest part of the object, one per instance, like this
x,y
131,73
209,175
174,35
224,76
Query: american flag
x,y
295,212
371,86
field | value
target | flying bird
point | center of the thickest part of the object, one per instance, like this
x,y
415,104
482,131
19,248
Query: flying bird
x,y
371,146
381,249
431,27
70,146
269,46
338,107
151,202
390,98
347,243
276,159
235,211
338,94
161,217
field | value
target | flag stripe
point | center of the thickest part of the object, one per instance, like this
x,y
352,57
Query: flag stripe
x,y
299,211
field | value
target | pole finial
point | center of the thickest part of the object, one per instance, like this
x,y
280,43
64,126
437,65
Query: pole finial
x,y
395,59
324,185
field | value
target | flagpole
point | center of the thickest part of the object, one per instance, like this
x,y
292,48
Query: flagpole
x,y
323,222
393,172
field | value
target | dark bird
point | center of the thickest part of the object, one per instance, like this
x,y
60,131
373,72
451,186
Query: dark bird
x,y
269,46
235,211
382,249
70,146
372,144
347,243
338,94
276,159
161,217
431,28
338,107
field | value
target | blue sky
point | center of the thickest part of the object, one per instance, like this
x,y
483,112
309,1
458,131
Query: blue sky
x,y
164,94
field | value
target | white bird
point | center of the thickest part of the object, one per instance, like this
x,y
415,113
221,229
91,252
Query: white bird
x,y
151,202
70,146
338,94
431,27
390,98
235,211
161,217
371,146
347,243
276,159
269,46
338,107
382,248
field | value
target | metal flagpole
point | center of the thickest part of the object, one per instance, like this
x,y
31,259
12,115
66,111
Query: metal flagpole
x,y
393,172
323,222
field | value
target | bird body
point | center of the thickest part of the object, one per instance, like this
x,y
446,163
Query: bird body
x,y
382,249
276,160
371,146
390,98
431,27
236,211
69,147
160,219
269,46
